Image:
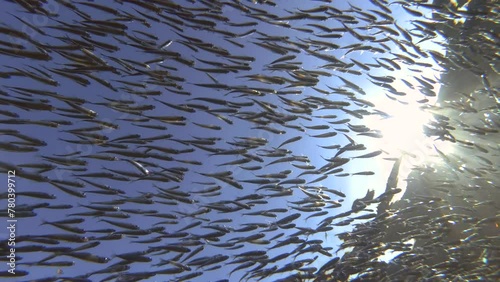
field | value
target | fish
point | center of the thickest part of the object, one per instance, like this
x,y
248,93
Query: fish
x,y
370,155
219,104
122,224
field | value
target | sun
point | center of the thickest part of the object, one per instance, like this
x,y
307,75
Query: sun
x,y
402,129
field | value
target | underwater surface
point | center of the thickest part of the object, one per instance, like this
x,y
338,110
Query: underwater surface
x,y
249,140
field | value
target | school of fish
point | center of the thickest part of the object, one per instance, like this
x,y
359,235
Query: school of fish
x,y
215,140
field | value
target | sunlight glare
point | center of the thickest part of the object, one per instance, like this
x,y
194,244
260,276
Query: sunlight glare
x,y
403,130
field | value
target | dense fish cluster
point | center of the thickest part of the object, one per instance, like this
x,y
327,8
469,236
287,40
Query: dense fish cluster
x,y
239,140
